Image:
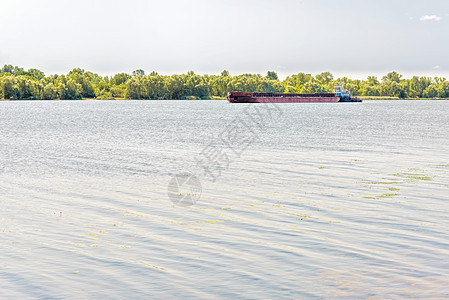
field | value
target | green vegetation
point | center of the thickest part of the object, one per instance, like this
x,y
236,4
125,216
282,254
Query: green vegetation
x,y
387,195
414,177
18,84
378,98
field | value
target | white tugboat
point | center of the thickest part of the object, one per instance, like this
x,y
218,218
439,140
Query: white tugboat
x,y
345,95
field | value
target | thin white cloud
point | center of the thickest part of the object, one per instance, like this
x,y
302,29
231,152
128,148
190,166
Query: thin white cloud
x,y
430,18
436,68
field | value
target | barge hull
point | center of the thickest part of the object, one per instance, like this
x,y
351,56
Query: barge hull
x,y
286,100
247,97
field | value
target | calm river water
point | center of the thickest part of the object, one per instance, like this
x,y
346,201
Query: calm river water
x,y
297,200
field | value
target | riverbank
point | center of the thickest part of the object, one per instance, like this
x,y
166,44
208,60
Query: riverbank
x,y
192,98
364,98
117,99
396,98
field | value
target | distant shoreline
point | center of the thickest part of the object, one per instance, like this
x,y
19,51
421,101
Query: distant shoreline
x,y
18,83
364,98
397,98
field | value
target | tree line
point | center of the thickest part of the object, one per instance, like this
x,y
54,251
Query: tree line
x,y
19,84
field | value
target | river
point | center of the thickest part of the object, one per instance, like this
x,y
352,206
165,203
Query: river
x,y
318,200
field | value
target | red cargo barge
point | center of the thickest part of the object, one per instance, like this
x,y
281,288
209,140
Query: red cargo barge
x,y
339,95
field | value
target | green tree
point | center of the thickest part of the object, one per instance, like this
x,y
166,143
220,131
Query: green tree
x,y
118,91
50,92
119,79
9,88
392,76
70,90
431,91
36,74
134,88
311,87
443,89
372,80
324,78
138,72
272,75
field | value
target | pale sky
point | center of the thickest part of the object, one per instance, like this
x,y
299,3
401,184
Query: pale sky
x,y
346,37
